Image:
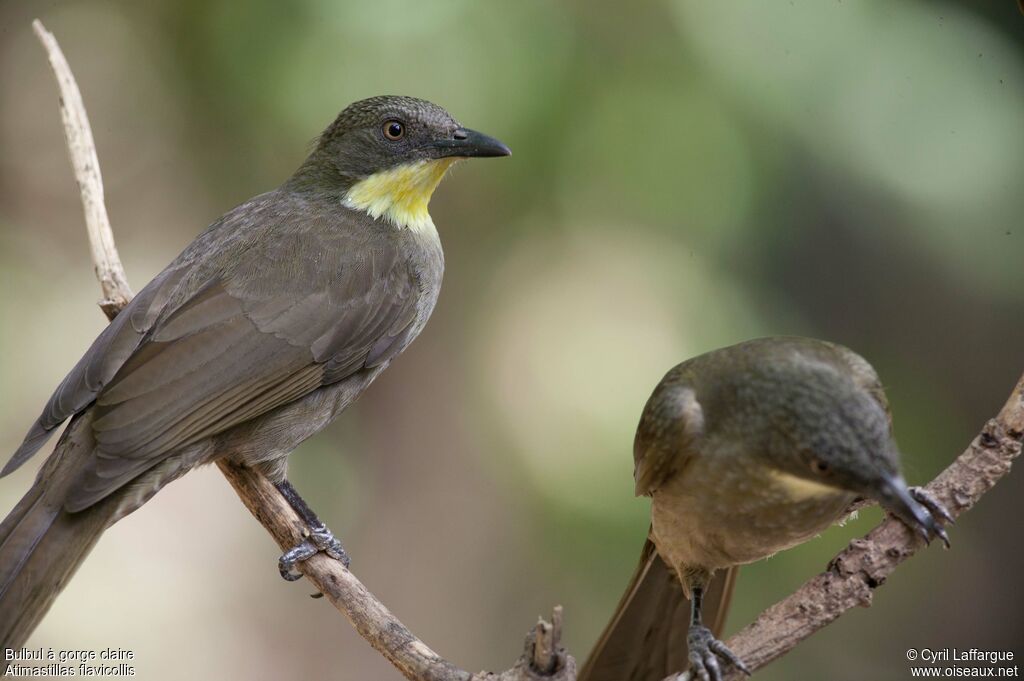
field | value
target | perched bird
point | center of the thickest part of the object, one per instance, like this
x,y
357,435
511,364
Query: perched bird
x,y
746,451
257,336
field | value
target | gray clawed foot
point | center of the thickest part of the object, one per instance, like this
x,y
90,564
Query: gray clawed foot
x,y
286,563
936,510
705,651
320,539
325,541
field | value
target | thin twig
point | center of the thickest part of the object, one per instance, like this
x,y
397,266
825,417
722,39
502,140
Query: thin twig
x,y
369,616
547,643
82,150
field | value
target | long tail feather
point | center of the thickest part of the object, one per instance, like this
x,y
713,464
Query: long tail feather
x,y
41,544
646,637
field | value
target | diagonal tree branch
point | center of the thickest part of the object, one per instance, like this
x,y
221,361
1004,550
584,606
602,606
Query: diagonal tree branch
x,y
544,658
82,150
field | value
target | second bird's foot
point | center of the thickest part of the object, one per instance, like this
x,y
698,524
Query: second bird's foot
x,y
705,651
936,510
320,539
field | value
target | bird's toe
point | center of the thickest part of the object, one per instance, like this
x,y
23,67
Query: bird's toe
x,y
290,558
325,541
938,514
705,653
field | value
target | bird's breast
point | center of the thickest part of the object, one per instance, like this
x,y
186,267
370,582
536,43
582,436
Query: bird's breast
x,y
716,513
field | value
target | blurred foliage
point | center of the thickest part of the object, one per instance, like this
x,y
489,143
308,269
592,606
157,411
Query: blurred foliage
x,y
686,175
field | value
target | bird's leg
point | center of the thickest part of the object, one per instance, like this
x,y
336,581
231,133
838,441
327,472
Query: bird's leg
x,y
704,648
320,538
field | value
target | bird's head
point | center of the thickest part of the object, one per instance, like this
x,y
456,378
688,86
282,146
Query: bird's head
x,y
824,429
387,155
829,432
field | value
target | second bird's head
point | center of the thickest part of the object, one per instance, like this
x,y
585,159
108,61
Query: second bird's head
x,y
387,154
830,432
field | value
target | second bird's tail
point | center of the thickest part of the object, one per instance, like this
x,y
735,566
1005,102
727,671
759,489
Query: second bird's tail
x,y
646,637
41,544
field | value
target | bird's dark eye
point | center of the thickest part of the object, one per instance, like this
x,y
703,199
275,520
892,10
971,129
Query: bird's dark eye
x,y
394,130
819,466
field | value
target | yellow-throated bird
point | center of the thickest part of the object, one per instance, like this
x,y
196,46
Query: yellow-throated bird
x,y
745,451
258,335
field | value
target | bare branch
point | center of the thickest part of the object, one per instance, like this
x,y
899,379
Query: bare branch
x,y
854,574
369,616
546,637
82,150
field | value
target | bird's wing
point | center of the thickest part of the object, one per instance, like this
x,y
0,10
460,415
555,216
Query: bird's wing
x,y
645,640
670,426
275,331
99,364
278,318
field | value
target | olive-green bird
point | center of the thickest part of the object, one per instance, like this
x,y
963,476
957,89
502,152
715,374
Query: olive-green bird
x,y
746,451
257,336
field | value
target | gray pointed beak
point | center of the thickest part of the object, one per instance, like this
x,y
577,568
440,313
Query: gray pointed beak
x,y
895,498
466,143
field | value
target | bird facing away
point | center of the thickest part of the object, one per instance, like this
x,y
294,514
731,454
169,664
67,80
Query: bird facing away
x,y
745,451
267,326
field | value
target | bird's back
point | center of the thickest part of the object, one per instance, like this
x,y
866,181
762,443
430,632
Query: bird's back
x,y
284,295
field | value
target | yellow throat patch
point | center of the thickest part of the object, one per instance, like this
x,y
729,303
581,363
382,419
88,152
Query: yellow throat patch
x,y
401,194
800,489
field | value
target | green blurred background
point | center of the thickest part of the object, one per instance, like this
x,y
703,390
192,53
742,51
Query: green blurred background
x,y
686,175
